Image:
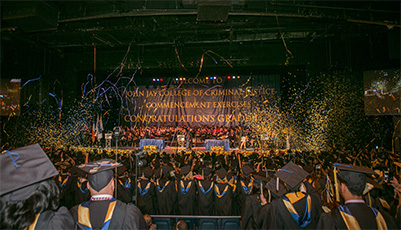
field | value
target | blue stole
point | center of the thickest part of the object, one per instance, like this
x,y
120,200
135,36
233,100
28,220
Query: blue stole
x,y
145,190
158,186
127,184
203,190
290,198
184,190
247,189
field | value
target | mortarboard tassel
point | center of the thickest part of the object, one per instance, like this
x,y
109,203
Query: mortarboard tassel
x,y
277,182
336,184
270,196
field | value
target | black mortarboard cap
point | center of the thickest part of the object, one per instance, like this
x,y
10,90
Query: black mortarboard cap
x,y
221,173
147,172
206,171
291,174
374,183
166,169
100,172
158,172
272,186
21,171
185,170
121,170
247,170
353,174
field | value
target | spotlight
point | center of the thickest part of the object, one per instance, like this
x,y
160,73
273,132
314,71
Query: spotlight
x,y
154,79
176,79
233,77
161,79
211,78
158,79
228,77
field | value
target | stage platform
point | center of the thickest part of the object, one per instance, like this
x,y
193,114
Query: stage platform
x,y
169,149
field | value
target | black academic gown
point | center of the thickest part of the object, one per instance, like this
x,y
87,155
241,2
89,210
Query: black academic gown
x,y
166,197
146,194
222,199
280,218
67,190
125,216
125,189
61,219
205,197
262,220
186,197
244,189
362,212
250,212
81,190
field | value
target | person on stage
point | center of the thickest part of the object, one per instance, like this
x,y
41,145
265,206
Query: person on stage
x,y
354,213
103,211
29,196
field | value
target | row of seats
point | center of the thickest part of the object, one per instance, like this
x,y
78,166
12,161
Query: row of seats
x,y
198,224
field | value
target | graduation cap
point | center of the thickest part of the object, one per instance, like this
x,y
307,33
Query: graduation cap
x,y
100,172
272,187
374,183
22,170
351,175
167,169
147,172
247,170
185,170
291,174
158,172
206,171
221,173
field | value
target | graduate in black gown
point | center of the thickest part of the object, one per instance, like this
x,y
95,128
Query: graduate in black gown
x,y
223,194
186,190
125,185
146,191
271,193
165,190
354,213
252,205
103,211
205,193
245,186
297,209
29,196
80,185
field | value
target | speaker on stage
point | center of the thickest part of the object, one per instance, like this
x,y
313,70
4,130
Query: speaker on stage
x,y
213,10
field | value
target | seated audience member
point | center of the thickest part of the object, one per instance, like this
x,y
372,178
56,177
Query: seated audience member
x,y
29,196
182,225
103,211
149,224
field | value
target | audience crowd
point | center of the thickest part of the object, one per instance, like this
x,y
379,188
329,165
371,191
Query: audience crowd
x,y
228,183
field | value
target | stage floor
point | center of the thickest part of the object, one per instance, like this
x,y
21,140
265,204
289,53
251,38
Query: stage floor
x,y
170,149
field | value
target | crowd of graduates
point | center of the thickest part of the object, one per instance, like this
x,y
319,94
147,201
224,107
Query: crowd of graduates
x,y
232,183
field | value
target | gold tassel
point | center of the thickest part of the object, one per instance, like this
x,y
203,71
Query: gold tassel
x,y
277,182
336,184
270,196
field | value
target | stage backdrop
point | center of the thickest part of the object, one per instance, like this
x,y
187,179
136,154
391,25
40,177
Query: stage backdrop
x,y
202,101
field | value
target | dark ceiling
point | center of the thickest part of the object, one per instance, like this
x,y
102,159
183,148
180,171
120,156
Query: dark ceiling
x,y
155,25
63,24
